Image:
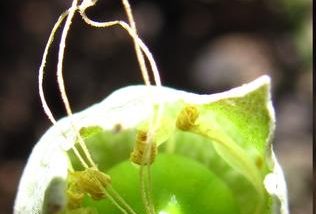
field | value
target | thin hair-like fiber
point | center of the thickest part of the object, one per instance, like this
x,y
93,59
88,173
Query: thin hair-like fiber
x,y
142,51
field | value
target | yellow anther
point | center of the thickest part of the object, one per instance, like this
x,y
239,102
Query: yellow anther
x,y
187,118
75,198
139,155
92,182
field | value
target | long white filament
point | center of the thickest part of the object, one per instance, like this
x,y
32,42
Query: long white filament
x,y
145,176
41,74
139,54
42,68
61,52
155,119
141,50
133,35
60,78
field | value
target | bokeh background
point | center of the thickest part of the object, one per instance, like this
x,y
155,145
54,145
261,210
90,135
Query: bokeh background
x,y
203,46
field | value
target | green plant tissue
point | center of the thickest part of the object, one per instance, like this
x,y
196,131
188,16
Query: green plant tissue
x,y
221,162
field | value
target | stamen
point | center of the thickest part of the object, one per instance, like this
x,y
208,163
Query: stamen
x,y
139,155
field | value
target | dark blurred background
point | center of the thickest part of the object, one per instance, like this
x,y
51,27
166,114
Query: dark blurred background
x,y
203,46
